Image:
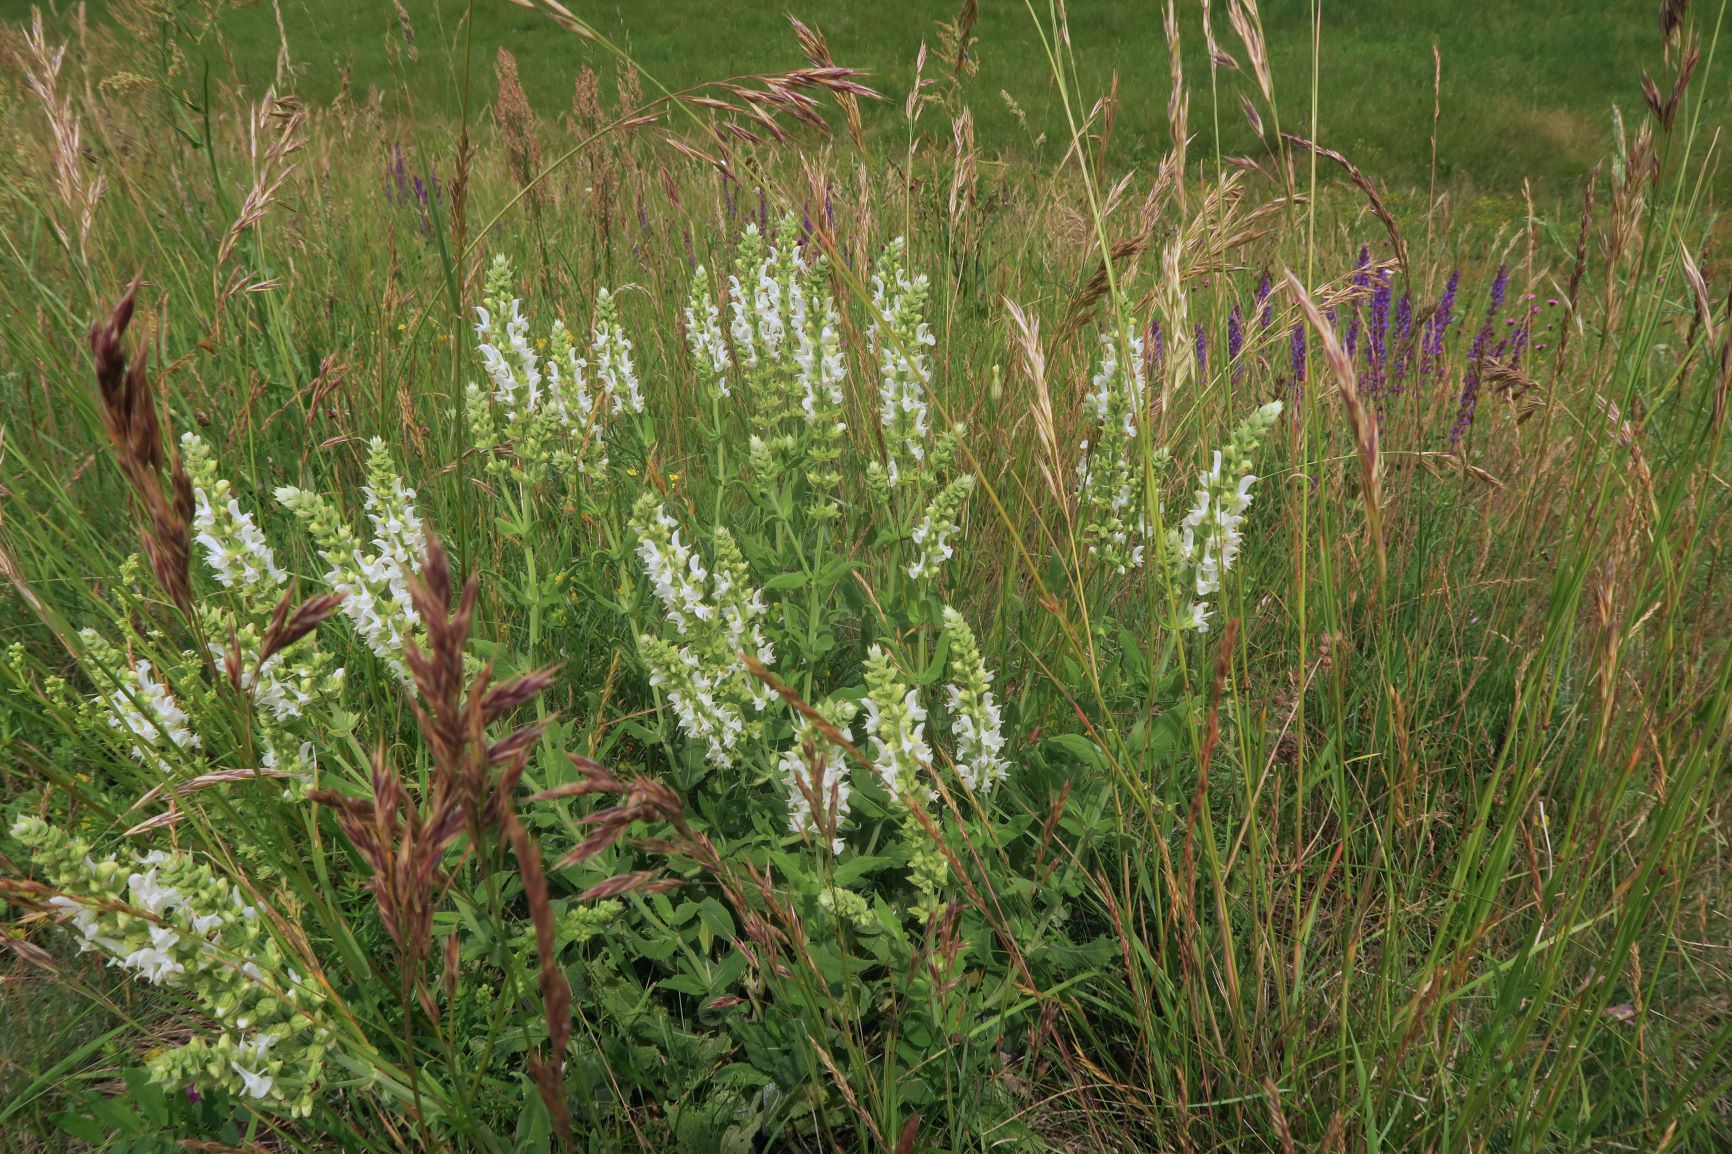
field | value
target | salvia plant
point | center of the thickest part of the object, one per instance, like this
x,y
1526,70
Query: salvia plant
x,y
702,682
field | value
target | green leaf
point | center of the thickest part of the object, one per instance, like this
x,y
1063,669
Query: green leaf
x,y
691,984
836,569
148,1097
852,870
534,1125
1079,748
716,918
82,1127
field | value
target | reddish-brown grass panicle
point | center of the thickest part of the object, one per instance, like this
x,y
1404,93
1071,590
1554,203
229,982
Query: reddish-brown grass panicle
x,y
454,713
287,627
129,415
548,1069
517,129
403,844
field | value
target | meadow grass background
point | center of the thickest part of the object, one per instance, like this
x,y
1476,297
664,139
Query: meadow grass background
x,y
1526,86
1457,876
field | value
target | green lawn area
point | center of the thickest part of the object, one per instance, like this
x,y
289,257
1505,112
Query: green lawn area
x,y
1528,85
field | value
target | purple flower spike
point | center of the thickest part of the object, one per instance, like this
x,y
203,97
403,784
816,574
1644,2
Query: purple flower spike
x,y
1475,358
1399,339
1377,338
1235,342
1202,352
1431,351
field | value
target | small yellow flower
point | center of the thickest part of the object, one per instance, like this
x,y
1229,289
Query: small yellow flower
x,y
631,472
402,325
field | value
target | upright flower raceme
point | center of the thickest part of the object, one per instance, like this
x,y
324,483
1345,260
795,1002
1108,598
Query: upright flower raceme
x,y
896,728
709,347
1207,540
787,337
375,584
818,356
821,370
976,721
931,537
539,407
900,337
1476,359
238,555
285,683
816,769
745,320
615,374
140,706
767,298
716,615
1437,329
1110,470
172,922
